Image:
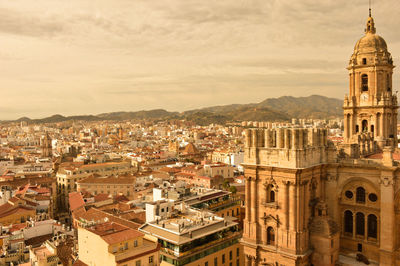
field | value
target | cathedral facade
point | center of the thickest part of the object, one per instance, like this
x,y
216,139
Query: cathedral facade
x,y
311,202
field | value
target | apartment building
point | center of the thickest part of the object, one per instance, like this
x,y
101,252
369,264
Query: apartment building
x,y
109,185
110,243
191,237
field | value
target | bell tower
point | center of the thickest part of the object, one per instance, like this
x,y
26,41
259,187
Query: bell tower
x,y
370,108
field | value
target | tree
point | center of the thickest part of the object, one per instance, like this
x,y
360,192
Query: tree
x,y
226,184
233,189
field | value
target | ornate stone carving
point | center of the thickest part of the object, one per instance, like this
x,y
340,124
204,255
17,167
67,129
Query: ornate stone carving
x,y
266,218
271,181
386,181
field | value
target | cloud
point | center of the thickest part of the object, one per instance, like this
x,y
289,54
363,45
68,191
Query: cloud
x,y
14,22
81,56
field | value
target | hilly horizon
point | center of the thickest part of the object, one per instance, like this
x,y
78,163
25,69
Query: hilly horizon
x,y
271,109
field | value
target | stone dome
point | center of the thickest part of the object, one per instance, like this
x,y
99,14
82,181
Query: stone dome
x,y
371,42
371,48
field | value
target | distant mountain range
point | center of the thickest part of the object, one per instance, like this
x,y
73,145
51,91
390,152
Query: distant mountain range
x,y
273,109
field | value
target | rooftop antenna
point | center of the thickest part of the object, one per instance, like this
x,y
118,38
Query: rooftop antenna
x,y
370,8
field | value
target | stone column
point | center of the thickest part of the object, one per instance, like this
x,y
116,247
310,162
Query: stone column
x,y
285,204
254,200
287,138
366,226
248,199
305,207
387,225
301,139
292,207
300,205
280,138
268,138
248,137
384,124
254,139
351,125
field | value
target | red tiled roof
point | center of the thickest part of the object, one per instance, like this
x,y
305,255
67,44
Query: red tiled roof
x,y
16,227
94,214
122,236
101,197
112,232
75,200
396,156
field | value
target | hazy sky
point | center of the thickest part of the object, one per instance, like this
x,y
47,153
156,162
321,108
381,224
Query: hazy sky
x,y
87,57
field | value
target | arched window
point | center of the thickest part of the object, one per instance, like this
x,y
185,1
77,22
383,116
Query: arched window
x,y
364,82
272,196
360,195
271,193
348,222
360,224
270,236
372,226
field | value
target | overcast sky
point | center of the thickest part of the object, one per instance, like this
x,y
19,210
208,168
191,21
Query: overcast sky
x,y
88,57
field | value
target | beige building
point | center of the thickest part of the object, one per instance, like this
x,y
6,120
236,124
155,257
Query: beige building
x,y
110,185
45,255
218,169
197,238
309,202
111,243
69,173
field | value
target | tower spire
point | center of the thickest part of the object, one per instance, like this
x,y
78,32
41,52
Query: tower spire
x,y
369,8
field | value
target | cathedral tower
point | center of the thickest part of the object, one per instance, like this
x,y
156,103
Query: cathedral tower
x,y
46,146
370,108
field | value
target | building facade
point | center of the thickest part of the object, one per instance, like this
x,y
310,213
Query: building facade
x,y
111,243
311,202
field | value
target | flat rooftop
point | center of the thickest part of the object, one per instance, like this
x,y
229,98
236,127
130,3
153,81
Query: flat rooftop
x,y
188,226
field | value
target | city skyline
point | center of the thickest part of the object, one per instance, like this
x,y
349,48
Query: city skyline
x,y
77,57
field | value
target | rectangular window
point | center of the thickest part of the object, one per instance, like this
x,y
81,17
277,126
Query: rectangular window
x,y
237,263
206,263
237,252
215,261
151,259
135,243
138,263
126,245
223,258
